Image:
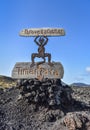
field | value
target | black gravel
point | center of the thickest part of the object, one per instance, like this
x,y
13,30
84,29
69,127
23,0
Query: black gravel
x,y
21,111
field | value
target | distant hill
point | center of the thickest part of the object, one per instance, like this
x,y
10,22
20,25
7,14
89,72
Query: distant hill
x,y
6,82
80,84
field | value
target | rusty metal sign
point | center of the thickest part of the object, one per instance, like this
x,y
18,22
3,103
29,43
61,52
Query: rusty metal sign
x,y
33,32
22,70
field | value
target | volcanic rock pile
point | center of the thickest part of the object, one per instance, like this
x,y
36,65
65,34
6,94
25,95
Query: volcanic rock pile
x,y
48,92
43,105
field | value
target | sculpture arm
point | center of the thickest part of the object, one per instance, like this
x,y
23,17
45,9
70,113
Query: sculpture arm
x,y
35,40
46,40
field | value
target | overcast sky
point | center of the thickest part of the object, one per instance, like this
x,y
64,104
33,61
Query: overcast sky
x,y
72,50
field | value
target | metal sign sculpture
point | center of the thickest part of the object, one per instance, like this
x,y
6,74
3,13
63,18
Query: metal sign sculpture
x,y
42,69
41,42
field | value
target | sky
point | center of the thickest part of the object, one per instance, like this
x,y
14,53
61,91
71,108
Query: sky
x,y
72,50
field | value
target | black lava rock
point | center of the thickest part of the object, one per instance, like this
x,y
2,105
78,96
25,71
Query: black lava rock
x,y
49,92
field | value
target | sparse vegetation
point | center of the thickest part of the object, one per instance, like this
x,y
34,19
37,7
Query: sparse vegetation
x,y
6,82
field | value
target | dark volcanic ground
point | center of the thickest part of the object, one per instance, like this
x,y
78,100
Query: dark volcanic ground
x,y
16,113
82,94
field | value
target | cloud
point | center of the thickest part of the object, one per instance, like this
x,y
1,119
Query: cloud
x,y
84,76
88,69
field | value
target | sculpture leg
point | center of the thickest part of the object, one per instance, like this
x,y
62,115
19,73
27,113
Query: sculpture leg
x,y
49,58
32,58
44,59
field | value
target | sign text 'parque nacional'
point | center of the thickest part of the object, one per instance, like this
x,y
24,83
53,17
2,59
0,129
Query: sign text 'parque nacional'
x,y
42,32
